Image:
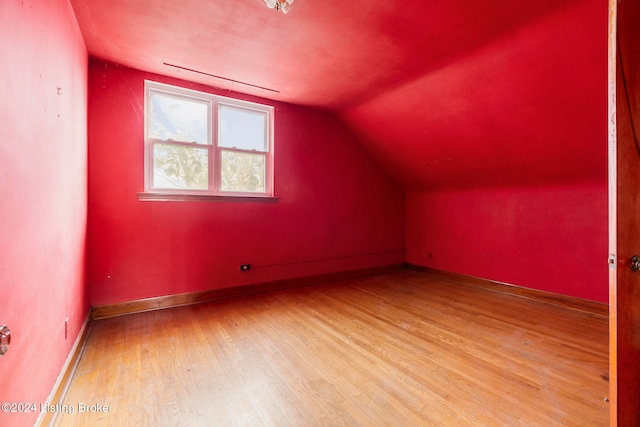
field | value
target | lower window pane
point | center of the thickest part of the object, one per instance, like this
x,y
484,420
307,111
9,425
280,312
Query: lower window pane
x,y
243,172
180,167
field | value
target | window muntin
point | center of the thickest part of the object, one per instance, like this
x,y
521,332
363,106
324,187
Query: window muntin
x,y
201,144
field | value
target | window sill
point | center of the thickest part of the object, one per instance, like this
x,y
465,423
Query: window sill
x,y
172,197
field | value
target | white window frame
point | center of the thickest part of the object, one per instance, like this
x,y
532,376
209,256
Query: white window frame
x,y
214,150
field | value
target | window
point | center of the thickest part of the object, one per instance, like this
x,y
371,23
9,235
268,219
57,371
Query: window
x,y
198,144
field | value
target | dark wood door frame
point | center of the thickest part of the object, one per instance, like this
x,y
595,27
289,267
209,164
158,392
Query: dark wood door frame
x,y
624,211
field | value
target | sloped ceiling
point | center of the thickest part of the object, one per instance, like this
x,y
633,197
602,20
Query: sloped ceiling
x,y
453,93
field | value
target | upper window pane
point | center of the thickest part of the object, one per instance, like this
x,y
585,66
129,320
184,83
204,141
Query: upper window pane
x,y
179,119
243,129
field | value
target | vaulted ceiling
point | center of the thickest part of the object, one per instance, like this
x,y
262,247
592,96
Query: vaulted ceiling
x,y
444,93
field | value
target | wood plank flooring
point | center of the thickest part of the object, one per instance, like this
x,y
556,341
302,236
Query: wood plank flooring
x,y
401,349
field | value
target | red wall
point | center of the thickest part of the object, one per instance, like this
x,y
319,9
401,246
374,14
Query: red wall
x,y
552,238
43,193
337,210
503,153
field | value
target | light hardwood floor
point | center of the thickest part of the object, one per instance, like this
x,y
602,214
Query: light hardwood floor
x,y
401,349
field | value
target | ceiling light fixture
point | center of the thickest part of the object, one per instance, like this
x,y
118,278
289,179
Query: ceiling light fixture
x,y
283,5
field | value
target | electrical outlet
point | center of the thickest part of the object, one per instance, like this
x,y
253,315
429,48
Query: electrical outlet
x,y
66,328
245,267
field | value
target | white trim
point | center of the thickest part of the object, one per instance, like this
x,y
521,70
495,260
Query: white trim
x,y
191,197
214,102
